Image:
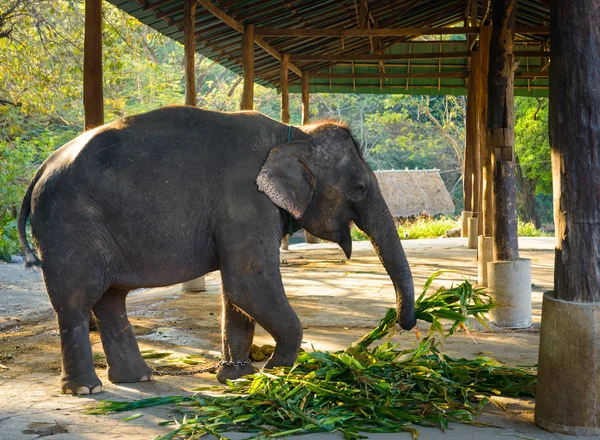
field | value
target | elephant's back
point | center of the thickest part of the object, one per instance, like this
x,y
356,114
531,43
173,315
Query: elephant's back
x,y
168,169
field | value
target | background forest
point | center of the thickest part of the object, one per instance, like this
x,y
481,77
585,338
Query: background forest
x,y
41,60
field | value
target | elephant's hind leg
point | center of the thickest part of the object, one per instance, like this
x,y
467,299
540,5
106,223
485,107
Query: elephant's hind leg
x,y
72,295
125,363
237,332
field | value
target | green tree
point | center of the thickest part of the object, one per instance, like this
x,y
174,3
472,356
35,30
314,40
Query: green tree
x,y
534,171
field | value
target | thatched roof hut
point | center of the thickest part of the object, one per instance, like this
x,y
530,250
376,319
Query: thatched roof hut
x,y
415,192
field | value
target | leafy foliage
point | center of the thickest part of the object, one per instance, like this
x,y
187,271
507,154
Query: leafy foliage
x,y
361,388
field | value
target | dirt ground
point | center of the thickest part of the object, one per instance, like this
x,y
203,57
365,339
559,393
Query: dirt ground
x,y
337,300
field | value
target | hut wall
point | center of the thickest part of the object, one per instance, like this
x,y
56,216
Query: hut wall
x,y
415,192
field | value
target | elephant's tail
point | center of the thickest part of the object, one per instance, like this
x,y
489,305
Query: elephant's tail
x,y
31,259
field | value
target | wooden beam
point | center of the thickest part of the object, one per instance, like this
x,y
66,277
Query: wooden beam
x,y
575,147
362,7
378,57
461,74
247,102
528,30
93,100
305,99
283,85
340,33
487,207
189,43
500,126
467,170
233,23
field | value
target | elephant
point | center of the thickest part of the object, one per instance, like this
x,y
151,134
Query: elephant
x,y
167,196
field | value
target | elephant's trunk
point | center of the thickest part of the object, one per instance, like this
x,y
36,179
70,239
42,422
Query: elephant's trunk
x,y
377,222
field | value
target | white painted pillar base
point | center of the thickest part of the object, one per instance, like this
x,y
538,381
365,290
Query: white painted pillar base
x,y
473,229
285,243
196,285
464,223
310,238
569,367
485,254
509,283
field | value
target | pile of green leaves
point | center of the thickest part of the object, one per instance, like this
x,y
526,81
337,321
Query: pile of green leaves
x,y
364,388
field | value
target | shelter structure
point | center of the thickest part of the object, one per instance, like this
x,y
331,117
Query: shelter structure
x,y
414,192
489,50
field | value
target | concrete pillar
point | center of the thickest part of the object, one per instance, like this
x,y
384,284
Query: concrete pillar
x,y
464,223
509,284
473,232
485,254
569,366
195,285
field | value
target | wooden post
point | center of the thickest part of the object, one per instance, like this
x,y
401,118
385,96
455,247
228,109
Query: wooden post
x,y
501,128
189,42
285,113
476,149
568,382
471,146
93,101
248,64
575,147
486,199
468,161
305,99
283,85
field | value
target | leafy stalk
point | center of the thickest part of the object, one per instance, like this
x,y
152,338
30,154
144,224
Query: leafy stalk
x,y
364,388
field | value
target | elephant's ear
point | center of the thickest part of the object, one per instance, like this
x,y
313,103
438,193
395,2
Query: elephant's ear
x,y
286,177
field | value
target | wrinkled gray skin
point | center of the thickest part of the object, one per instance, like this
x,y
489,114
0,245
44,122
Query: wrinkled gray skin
x,y
170,195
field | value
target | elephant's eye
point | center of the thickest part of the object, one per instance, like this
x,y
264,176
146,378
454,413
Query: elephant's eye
x,y
357,192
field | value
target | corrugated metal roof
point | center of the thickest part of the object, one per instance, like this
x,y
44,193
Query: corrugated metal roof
x,y
218,41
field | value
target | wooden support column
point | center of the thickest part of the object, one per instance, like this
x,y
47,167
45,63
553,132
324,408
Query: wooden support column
x,y
475,138
305,99
189,42
486,212
285,113
568,383
93,101
283,85
248,64
468,161
501,128
575,147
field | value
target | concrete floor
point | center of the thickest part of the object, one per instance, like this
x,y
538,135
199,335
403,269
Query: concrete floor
x,y
337,301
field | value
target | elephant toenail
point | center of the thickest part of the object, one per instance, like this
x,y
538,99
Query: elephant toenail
x,y
97,389
82,390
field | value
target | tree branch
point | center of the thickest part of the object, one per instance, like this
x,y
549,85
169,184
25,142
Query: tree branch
x,y
443,131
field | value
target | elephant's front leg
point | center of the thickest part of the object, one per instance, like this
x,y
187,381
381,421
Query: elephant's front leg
x,y
254,285
237,332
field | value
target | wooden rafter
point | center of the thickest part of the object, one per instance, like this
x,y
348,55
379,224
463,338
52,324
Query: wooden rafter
x,y
433,75
234,24
460,74
339,33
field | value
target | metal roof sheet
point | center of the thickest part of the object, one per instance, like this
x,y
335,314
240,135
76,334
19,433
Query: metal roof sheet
x,y
223,44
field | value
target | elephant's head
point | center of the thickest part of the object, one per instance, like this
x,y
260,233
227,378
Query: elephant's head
x,y
325,184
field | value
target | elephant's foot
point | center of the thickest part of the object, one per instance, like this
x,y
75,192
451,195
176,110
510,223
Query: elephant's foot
x,y
142,373
84,384
280,361
225,372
